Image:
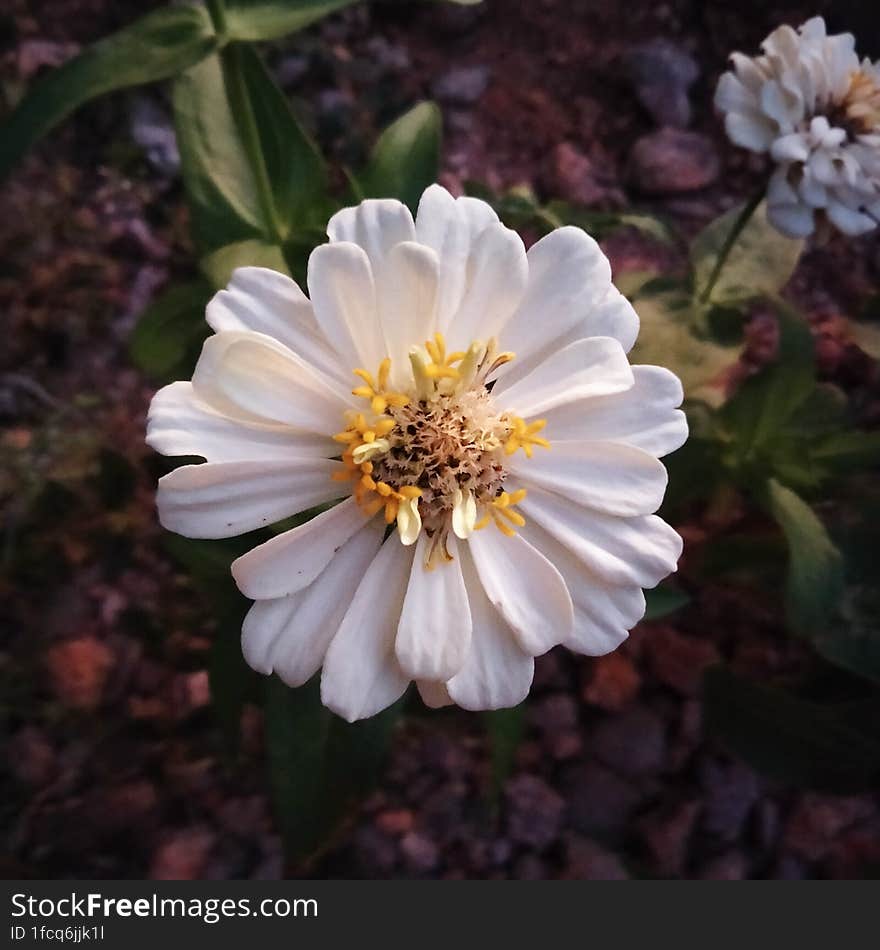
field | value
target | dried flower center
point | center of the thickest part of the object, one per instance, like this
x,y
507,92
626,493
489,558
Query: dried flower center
x,y
433,457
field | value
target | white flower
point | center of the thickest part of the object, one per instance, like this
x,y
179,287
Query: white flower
x,y
815,108
522,489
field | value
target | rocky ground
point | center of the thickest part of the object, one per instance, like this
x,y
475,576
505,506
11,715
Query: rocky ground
x,y
114,763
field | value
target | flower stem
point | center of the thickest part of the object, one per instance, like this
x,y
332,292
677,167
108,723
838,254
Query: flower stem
x,y
739,224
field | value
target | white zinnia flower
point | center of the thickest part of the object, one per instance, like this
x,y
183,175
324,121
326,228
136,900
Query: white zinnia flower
x,y
815,108
522,490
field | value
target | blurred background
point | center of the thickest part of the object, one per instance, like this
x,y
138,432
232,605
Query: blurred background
x,y
116,763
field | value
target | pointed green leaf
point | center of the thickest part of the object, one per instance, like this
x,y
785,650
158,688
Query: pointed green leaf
x,y
320,765
170,331
219,265
764,404
662,601
504,728
668,339
159,45
833,748
406,159
269,19
250,170
815,568
760,262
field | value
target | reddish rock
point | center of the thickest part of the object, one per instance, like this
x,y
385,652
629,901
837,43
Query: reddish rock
x,y
420,853
818,820
31,756
184,856
666,834
599,801
677,660
78,671
632,743
614,684
534,811
731,866
572,176
396,822
585,860
731,791
672,161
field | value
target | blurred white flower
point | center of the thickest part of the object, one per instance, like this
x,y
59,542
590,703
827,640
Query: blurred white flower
x,y
522,490
815,108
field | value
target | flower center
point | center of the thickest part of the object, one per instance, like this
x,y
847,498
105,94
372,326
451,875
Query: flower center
x,y
858,113
433,457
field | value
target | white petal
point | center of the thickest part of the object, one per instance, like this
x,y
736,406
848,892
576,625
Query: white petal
x,y
497,672
273,383
568,276
603,613
361,674
796,221
750,130
343,294
613,316
645,416
497,275
848,221
267,302
207,372
434,695
443,225
290,635
595,366
525,587
790,148
222,499
179,423
408,304
780,106
292,560
612,477
435,624
622,551
732,94
376,225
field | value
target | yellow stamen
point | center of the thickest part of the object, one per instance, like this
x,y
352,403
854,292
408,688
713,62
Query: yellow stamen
x,y
500,511
523,435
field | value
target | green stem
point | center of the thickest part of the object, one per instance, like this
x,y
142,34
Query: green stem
x,y
217,9
243,112
739,224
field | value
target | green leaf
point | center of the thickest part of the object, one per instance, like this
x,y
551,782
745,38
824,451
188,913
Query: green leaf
x,y
250,170
231,680
219,265
865,331
159,45
504,728
668,339
760,262
662,601
320,765
169,332
764,404
803,743
406,159
269,19
815,568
